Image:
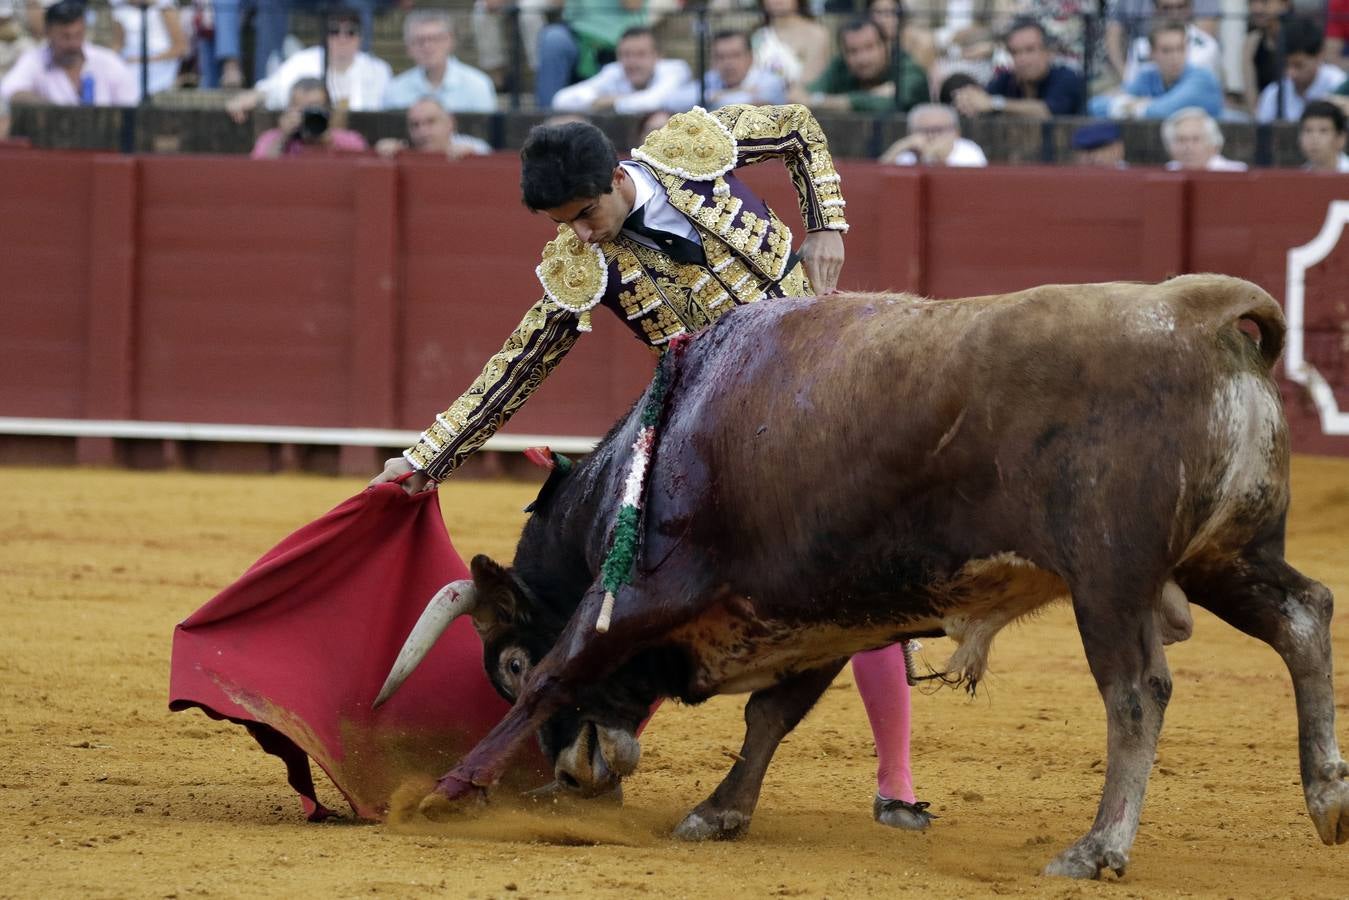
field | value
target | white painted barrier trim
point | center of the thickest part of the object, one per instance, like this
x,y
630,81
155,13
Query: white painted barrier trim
x,y
270,434
1300,259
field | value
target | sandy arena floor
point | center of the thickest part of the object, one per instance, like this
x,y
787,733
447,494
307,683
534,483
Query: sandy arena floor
x,y
104,793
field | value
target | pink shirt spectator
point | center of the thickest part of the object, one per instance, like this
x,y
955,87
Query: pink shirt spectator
x,y
111,79
343,141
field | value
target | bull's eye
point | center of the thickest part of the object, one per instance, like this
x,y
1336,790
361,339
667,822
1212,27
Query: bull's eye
x,y
513,667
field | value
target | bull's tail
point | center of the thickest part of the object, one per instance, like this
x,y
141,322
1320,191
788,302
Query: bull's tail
x,y
1220,302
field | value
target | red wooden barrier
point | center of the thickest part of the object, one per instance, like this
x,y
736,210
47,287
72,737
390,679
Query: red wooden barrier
x,y
366,294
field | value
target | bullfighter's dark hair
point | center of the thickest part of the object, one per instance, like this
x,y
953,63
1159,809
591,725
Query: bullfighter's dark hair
x,y
63,13
1303,35
562,163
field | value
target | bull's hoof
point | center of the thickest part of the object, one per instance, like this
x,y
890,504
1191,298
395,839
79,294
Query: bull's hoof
x,y
450,798
899,814
1087,861
708,825
1328,805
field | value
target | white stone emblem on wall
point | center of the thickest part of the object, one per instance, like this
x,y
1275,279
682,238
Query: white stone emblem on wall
x,y
1296,363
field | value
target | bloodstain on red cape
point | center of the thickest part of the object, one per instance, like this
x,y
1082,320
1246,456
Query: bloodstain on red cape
x,y
297,649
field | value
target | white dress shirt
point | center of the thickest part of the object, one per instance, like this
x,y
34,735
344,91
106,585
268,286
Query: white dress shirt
x,y
657,212
361,87
610,81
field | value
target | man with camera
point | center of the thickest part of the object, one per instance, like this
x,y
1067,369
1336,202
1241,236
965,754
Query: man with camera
x,y
305,128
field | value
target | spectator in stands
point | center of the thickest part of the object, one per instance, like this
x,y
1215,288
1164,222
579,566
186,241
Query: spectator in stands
x,y
1165,84
584,41
1321,137
1036,87
429,37
307,127
1099,144
970,52
494,39
1194,141
790,42
1201,48
1306,77
68,70
639,82
356,80
4,119
432,129
733,78
1131,20
1064,22
866,76
166,42
896,25
934,139
1264,18
14,37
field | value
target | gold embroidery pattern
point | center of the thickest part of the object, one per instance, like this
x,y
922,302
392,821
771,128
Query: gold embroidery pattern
x,y
534,349
694,145
574,275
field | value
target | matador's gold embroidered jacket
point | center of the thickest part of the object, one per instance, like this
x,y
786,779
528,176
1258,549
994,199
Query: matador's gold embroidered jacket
x,y
748,252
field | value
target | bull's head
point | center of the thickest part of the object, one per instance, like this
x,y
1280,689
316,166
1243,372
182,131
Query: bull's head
x,y
592,741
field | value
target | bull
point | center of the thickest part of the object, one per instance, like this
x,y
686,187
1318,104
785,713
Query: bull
x,y
837,475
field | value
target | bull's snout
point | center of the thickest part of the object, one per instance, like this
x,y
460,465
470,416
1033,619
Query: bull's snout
x,y
598,760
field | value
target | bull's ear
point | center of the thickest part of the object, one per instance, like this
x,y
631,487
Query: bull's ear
x,y
498,601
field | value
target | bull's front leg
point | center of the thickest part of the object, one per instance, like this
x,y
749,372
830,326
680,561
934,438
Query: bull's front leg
x,y
770,715
1125,653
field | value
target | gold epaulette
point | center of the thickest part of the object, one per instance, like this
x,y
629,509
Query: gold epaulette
x,y
694,145
574,274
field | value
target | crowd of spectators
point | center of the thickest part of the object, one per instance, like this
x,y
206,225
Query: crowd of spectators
x,y
1181,63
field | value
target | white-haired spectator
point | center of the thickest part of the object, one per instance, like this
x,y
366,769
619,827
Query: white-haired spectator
x,y
356,80
429,37
1194,141
934,140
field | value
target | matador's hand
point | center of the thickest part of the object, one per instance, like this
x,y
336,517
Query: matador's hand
x,y
822,255
397,467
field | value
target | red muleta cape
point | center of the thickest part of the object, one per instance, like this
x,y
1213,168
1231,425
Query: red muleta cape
x,y
297,649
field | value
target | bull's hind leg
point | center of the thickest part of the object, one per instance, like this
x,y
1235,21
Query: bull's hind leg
x,y
770,715
1268,599
1124,650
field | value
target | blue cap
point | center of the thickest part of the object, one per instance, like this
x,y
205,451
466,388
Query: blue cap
x,y
1095,135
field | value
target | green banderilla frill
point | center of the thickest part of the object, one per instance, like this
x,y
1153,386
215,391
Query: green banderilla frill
x,y
618,563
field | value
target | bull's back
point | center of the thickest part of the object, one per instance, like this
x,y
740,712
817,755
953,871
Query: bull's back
x,y
830,430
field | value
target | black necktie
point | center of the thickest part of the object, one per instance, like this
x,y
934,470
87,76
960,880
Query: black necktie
x,y
680,249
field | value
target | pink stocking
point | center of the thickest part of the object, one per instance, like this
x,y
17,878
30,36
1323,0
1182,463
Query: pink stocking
x,y
884,688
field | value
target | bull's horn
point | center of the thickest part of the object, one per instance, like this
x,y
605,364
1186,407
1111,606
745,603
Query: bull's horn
x,y
449,603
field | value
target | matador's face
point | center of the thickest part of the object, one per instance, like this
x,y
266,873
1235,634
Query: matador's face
x,y
597,219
